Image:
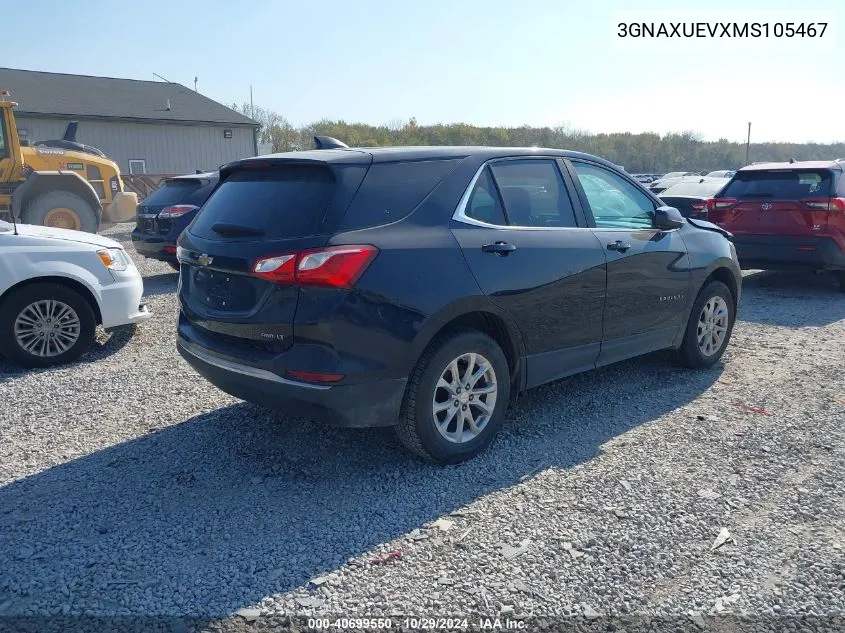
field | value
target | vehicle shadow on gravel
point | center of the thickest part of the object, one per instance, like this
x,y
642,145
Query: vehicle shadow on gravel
x,y
160,284
124,235
213,514
106,344
791,299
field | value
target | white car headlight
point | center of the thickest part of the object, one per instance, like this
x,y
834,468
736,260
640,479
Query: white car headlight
x,y
113,258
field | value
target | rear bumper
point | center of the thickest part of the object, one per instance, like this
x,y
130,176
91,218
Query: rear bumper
x,y
770,252
155,246
369,404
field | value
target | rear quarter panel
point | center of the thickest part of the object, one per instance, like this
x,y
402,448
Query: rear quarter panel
x,y
418,282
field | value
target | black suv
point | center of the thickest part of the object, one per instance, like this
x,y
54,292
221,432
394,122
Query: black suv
x,y
421,287
164,214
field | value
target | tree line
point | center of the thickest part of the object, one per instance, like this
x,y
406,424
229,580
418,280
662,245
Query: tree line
x,y
637,153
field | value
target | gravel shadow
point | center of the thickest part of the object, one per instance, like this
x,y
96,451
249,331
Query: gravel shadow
x,y
106,344
791,299
121,235
160,284
247,502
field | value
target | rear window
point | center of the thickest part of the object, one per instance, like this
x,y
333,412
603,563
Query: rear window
x,y
173,192
284,202
390,191
779,185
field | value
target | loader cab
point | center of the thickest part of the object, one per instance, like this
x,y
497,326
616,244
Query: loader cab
x,y
11,159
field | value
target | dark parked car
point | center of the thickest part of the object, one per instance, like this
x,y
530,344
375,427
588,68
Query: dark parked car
x,y
786,215
422,287
164,214
690,198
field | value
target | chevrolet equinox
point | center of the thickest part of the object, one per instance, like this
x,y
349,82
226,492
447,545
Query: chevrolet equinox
x,y
420,287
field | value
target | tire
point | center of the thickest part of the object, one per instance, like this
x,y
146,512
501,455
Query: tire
x,y
174,266
18,303
691,353
840,274
81,217
417,429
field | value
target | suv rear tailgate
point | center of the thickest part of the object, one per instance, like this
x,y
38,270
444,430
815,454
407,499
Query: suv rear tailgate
x,y
782,202
261,209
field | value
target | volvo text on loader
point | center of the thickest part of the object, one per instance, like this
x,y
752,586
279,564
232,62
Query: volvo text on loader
x,y
58,183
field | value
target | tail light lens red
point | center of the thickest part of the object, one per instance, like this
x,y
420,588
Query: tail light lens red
x,y
168,213
720,204
825,204
334,266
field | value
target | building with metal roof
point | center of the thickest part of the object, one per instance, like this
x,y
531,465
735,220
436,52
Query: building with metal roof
x,y
147,127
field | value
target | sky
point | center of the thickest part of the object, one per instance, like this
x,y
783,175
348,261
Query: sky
x,y
484,62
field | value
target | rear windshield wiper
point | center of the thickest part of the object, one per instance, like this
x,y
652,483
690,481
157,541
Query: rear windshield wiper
x,y
223,228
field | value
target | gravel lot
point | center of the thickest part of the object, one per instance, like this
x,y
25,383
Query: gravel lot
x,y
130,486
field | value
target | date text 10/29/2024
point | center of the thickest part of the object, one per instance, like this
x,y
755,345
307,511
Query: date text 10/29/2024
x,y
423,624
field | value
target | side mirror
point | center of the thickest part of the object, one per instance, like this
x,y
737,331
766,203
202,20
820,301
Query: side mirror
x,y
668,218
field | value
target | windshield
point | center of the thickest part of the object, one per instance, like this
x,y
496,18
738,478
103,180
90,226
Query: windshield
x,y
793,184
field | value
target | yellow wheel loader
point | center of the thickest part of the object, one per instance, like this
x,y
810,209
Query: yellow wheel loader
x,y
58,183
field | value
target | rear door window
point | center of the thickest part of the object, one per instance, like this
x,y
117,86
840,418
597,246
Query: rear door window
x,y
391,191
483,204
793,184
283,202
172,192
534,193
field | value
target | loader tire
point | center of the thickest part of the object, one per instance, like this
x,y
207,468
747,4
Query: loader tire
x,y
61,210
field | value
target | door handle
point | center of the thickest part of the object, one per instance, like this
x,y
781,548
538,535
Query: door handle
x,y
500,248
619,246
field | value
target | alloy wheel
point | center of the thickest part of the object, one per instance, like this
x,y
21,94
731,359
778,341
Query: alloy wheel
x,y
713,326
47,328
465,398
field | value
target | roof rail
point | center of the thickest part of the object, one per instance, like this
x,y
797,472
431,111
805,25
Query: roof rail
x,y
327,142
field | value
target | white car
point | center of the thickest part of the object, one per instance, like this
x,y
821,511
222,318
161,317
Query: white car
x,y
56,286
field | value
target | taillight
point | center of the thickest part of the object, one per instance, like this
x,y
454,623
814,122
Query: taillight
x,y
720,204
698,207
335,266
825,204
168,213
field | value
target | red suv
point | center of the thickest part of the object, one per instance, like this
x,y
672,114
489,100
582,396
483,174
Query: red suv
x,y
786,215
